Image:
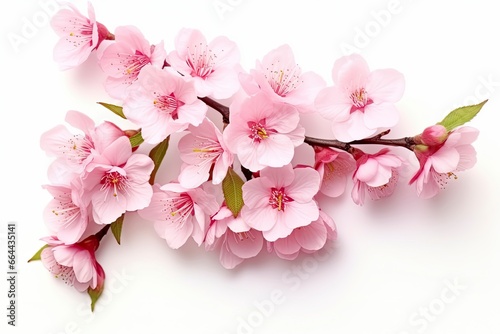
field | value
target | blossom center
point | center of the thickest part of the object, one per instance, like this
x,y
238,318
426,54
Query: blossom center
x,y
134,63
114,181
278,199
359,100
201,60
258,131
77,149
178,209
284,81
168,104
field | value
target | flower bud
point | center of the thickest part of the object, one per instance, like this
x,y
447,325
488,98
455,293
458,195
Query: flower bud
x,y
434,135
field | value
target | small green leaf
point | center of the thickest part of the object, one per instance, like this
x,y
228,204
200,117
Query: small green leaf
x,y
116,228
233,193
94,295
116,109
136,139
157,154
461,115
38,255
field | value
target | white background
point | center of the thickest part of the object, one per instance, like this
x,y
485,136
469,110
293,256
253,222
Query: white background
x,y
395,259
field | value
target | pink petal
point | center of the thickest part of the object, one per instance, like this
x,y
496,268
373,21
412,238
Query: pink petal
x,y
380,115
386,85
64,255
352,129
106,207
275,151
350,71
445,160
288,245
261,219
228,259
311,237
83,266
245,245
300,214
176,236
279,230
304,186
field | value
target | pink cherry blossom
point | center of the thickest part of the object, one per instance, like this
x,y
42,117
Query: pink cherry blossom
x,y
280,200
179,213
235,240
203,152
162,102
66,215
438,164
333,166
123,60
376,173
118,181
213,66
263,133
79,35
75,264
282,80
307,239
360,102
74,152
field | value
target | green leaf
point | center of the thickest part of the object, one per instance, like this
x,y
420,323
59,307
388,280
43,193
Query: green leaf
x,y
157,154
116,228
461,115
94,295
136,139
37,256
233,193
116,109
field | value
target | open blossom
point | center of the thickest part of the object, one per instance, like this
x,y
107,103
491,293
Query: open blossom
x,y
202,149
307,239
123,60
74,152
333,166
179,213
118,181
439,163
360,102
79,35
75,264
235,240
280,200
213,66
66,215
263,133
376,173
282,80
162,102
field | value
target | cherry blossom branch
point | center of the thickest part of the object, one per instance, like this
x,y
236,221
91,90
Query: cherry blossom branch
x,y
406,142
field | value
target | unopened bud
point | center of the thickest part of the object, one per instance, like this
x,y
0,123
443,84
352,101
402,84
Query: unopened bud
x,y
434,135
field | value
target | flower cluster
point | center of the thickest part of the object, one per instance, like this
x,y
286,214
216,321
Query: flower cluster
x,y
240,189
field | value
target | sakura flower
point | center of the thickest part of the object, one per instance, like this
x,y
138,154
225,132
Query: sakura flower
x,y
282,80
440,162
263,133
161,102
118,181
360,102
334,167
203,152
123,60
376,173
236,240
66,215
307,239
75,264
179,213
280,200
213,66
79,35
74,152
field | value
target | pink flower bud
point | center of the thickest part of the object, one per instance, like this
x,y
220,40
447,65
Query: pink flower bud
x,y
434,135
